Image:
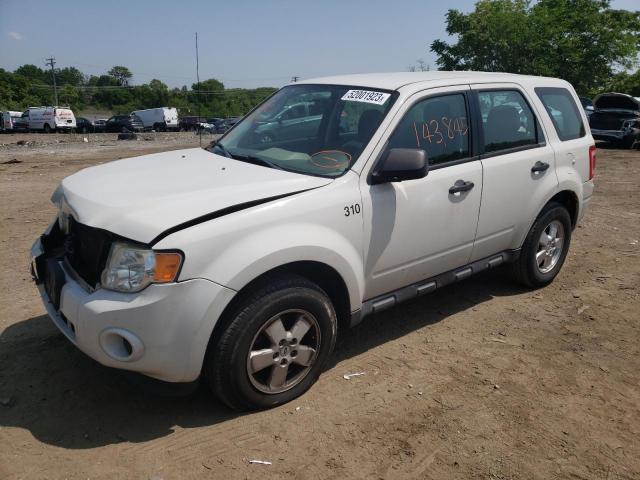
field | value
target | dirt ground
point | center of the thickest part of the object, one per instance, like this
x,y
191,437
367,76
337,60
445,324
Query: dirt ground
x,y
482,379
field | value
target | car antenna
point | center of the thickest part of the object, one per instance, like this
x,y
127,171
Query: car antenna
x,y
198,89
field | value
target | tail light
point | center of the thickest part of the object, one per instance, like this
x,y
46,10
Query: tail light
x,y
592,161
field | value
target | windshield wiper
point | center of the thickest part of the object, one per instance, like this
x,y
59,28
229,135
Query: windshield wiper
x,y
255,160
223,149
246,158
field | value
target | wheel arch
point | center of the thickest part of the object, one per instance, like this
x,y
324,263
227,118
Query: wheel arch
x,y
566,197
322,274
569,200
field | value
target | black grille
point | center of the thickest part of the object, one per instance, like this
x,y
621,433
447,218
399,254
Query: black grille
x,y
87,249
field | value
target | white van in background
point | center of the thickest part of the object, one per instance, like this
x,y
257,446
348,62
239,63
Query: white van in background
x,y
7,120
159,119
51,119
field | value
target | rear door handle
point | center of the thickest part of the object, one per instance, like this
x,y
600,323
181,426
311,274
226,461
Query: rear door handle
x,y
539,167
460,186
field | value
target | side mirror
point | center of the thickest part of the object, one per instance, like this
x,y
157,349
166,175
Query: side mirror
x,y
401,164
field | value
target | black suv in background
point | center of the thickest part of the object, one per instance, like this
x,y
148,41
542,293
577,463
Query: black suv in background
x,y
124,123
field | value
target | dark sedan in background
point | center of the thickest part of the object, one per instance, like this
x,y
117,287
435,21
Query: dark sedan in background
x,y
84,125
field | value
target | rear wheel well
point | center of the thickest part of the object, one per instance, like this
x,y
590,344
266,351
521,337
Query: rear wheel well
x,y
327,278
570,201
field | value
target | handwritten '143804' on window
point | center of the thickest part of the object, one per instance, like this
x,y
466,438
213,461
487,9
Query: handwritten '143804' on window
x,y
441,131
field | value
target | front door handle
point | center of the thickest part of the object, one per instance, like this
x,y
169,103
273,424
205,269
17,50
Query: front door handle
x,y
460,186
539,167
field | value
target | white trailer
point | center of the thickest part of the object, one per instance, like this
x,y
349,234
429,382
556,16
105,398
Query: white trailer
x,y
7,119
50,119
159,119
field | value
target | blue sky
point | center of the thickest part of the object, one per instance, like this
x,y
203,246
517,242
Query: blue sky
x,y
242,43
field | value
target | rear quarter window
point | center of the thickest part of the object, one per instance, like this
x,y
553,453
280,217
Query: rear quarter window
x,y
563,111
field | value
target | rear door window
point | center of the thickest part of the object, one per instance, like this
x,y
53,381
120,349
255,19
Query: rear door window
x,y
563,111
507,120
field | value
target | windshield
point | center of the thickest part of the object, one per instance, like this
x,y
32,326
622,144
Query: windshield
x,y
311,129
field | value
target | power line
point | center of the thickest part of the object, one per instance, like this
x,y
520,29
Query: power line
x,y
51,62
230,91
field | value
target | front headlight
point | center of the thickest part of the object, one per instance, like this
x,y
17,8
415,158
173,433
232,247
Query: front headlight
x,y
131,268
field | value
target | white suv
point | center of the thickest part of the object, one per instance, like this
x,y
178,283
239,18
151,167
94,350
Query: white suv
x,y
238,262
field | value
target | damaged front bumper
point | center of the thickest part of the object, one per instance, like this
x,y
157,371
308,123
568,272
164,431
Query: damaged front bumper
x,y
162,331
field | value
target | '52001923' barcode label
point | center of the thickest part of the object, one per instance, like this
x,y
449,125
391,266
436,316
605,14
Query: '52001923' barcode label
x,y
366,96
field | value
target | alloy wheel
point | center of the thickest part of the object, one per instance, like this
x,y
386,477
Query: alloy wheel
x,y
550,246
283,351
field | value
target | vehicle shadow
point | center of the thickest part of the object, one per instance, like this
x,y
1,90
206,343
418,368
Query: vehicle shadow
x,y
66,399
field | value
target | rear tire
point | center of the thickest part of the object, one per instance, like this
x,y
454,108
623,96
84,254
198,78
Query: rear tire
x,y
276,342
545,248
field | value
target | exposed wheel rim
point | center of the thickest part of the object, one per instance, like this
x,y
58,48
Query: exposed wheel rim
x,y
550,245
283,351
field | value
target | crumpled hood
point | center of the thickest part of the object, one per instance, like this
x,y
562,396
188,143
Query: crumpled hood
x,y
141,197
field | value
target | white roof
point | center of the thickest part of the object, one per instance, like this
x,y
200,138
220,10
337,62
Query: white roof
x,y
396,80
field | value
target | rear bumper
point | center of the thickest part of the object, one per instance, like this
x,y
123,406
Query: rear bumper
x,y
162,331
587,193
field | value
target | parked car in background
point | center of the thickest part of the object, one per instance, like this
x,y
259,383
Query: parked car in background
x,y
218,124
21,124
587,104
84,125
228,123
124,123
51,119
100,125
7,120
616,119
191,123
237,263
298,120
160,119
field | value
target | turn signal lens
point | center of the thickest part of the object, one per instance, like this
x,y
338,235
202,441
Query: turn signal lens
x,y
167,266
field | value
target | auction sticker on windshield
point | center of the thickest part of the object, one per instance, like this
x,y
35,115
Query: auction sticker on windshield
x,y
366,96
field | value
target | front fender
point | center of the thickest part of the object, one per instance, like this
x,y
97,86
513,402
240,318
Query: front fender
x,y
312,226
264,252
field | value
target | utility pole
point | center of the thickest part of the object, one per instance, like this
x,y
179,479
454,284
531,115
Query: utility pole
x,y
51,62
198,89
295,78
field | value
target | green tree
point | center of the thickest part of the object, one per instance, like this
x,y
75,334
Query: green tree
x,y
29,85
624,82
582,41
121,74
33,73
69,76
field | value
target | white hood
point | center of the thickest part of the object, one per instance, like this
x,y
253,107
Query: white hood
x,y
139,198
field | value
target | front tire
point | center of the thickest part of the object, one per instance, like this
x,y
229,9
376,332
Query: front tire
x,y
545,248
277,341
